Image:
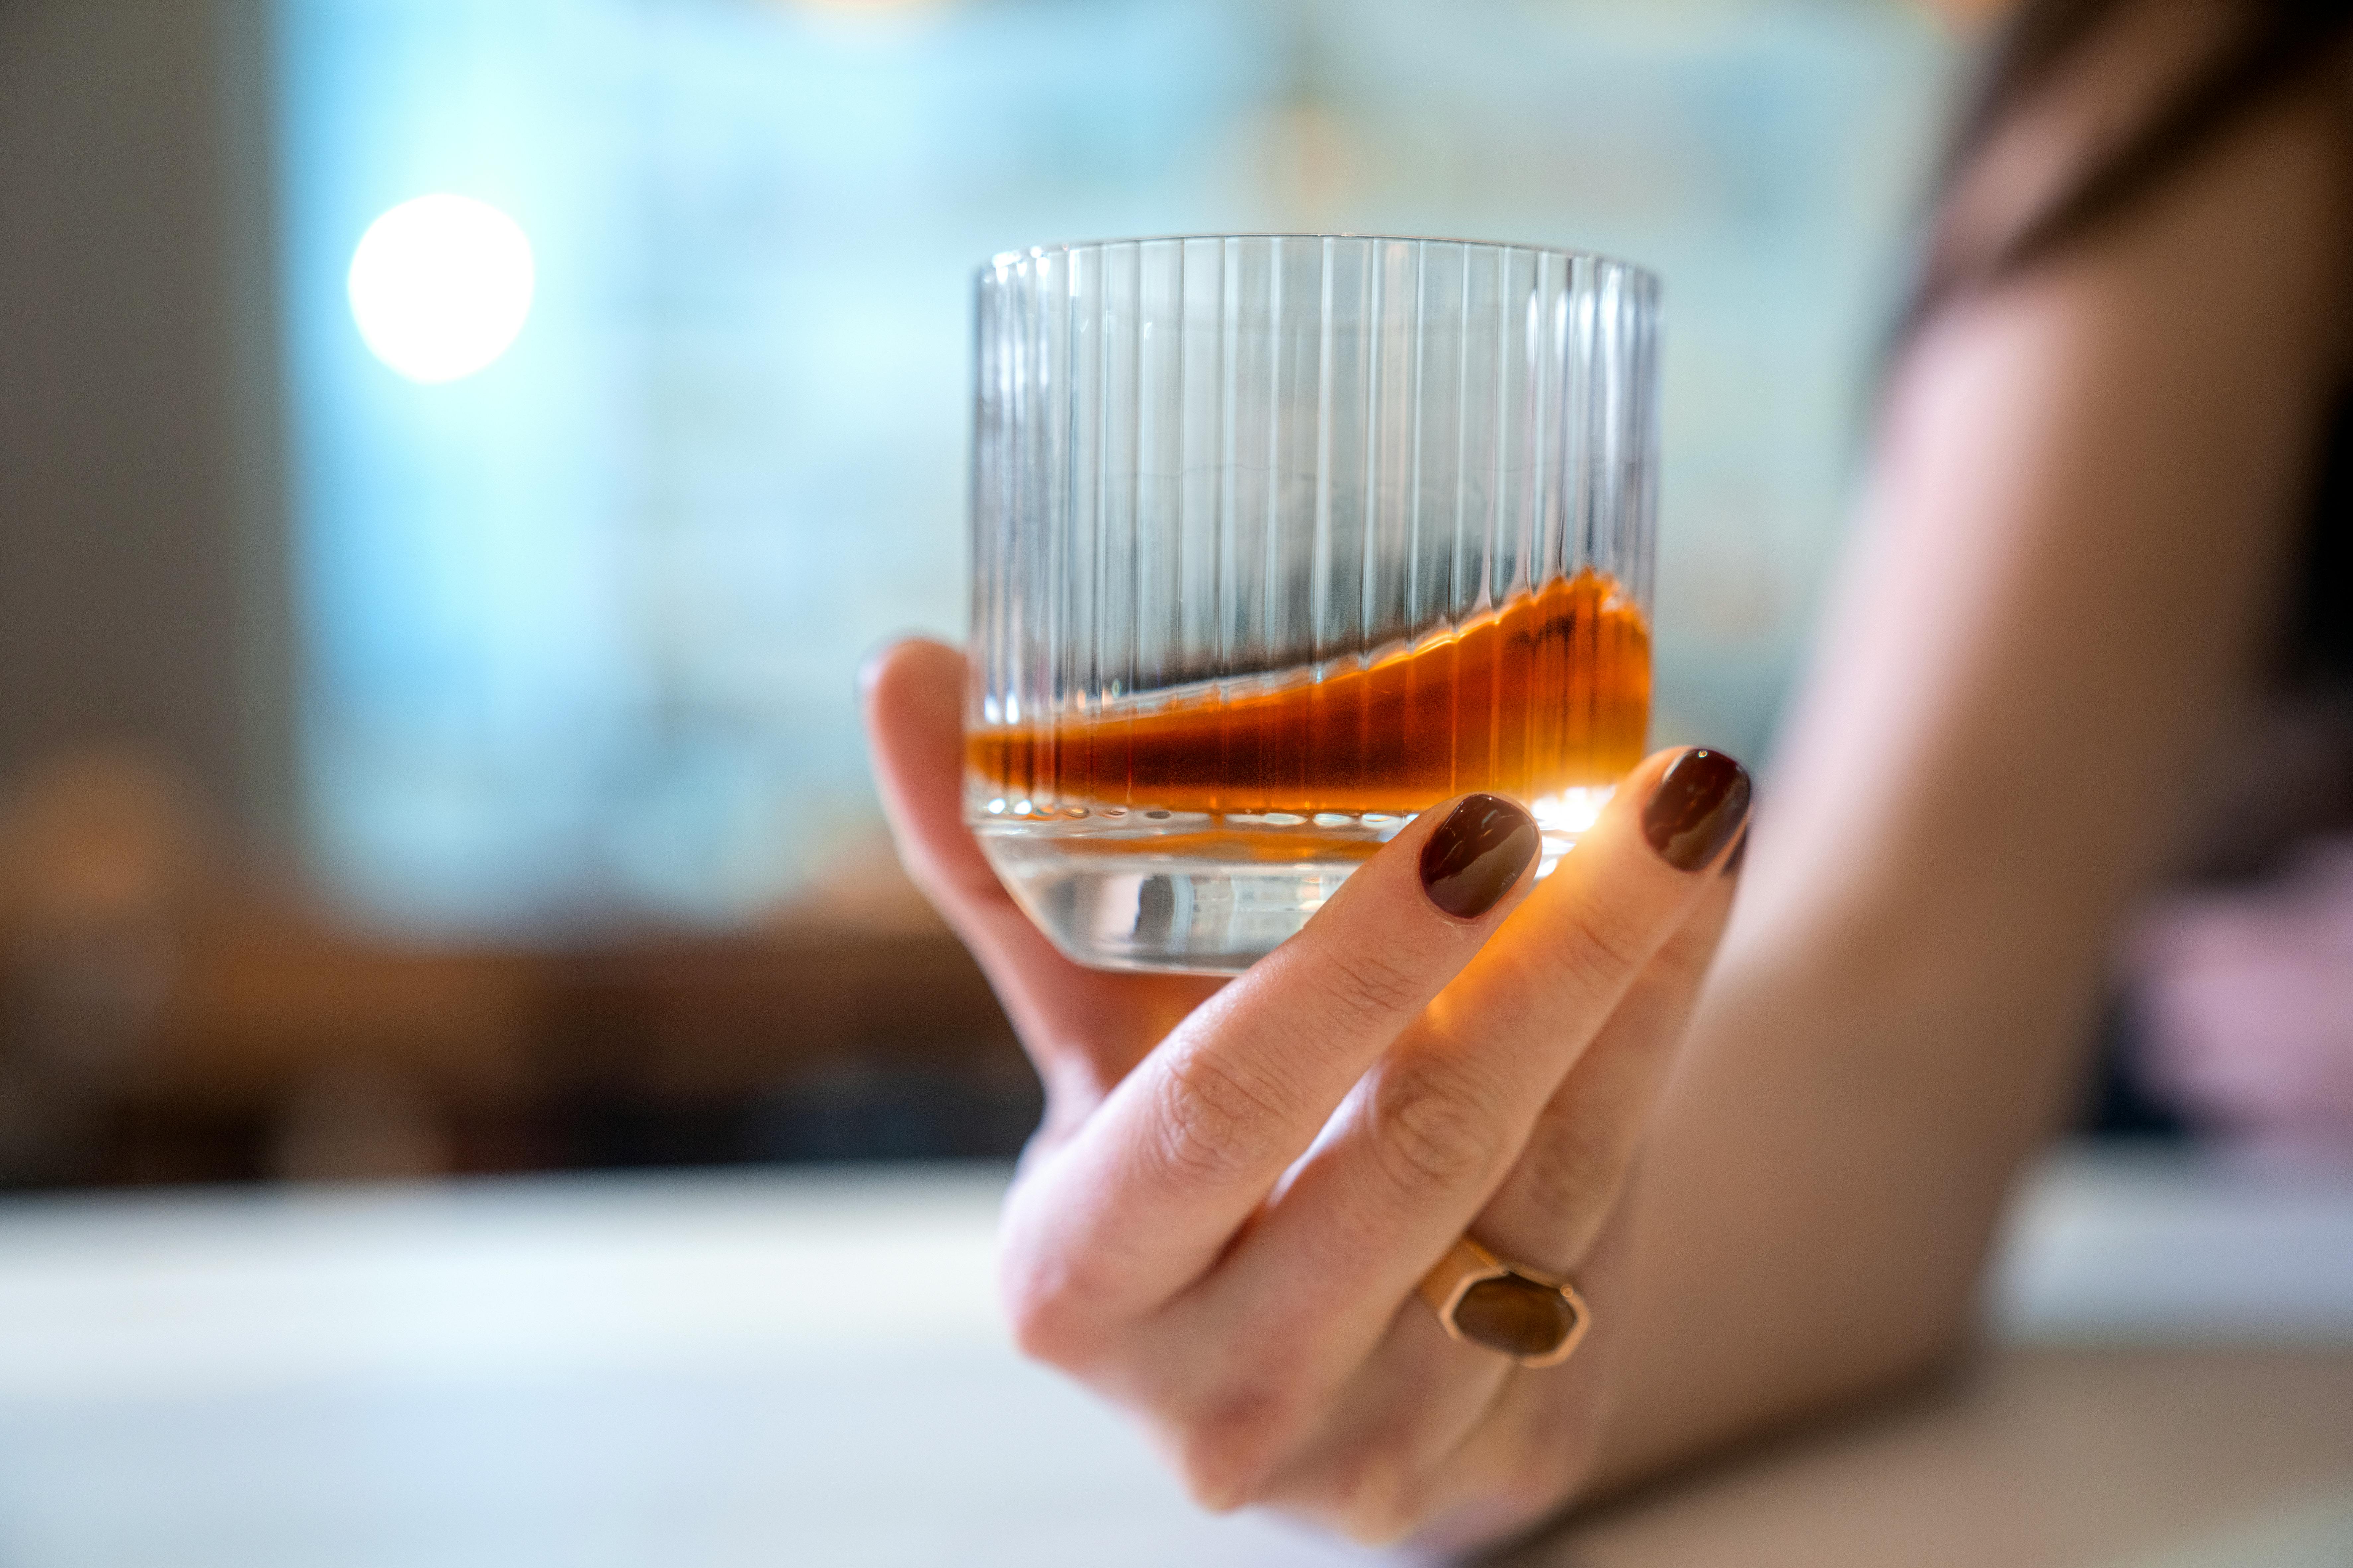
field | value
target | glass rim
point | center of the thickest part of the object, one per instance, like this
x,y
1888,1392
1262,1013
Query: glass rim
x,y
1003,259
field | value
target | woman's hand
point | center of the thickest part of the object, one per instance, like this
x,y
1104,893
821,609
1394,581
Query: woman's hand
x,y
1238,1186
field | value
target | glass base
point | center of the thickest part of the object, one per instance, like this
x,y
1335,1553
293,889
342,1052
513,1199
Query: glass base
x,y
1193,893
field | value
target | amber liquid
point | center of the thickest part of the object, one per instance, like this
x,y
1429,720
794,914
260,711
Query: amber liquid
x,y
1551,692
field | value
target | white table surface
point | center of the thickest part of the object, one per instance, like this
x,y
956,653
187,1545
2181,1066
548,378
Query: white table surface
x,y
808,1368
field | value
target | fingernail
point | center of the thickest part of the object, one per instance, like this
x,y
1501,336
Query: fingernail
x,y
1697,807
1739,855
1473,859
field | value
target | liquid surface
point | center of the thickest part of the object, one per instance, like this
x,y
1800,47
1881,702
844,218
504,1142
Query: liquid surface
x,y
1549,693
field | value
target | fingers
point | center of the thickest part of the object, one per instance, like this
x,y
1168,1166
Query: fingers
x,y
1152,1191
1379,1449
1432,1132
1083,1027
1393,1445
1566,1184
1431,1444
1532,1446
1333,1386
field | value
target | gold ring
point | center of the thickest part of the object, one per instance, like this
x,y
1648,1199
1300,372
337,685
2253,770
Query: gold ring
x,y
1536,1319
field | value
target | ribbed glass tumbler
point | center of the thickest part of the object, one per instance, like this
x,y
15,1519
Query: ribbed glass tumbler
x,y
1278,541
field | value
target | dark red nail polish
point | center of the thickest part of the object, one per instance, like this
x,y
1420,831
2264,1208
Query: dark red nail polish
x,y
1699,803
1473,859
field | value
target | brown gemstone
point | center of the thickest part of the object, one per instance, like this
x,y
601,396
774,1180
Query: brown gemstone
x,y
1517,1316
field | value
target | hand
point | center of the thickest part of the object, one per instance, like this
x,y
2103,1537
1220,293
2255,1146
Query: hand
x,y
1239,1184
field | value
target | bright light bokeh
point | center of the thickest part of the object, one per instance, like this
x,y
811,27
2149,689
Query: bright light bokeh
x,y
441,286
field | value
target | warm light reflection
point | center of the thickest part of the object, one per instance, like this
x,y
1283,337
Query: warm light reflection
x,y
440,286
1572,811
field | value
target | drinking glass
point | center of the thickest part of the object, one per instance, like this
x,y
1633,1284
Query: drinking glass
x,y
1279,539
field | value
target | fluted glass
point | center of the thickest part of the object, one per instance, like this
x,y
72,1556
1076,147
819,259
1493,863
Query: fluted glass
x,y
1278,539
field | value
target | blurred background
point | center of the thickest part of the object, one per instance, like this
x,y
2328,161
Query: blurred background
x,y
453,457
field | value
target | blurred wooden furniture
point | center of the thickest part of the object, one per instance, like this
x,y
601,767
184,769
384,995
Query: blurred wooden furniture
x,y
809,1041
168,1014
732,1369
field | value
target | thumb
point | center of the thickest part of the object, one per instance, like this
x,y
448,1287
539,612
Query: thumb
x,y
1084,1028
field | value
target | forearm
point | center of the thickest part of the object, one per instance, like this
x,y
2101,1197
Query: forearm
x,y
1819,1192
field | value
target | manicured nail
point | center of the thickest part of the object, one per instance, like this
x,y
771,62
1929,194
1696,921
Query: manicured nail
x,y
1476,854
1739,855
1699,805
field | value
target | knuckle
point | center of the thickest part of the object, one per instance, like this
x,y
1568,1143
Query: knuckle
x,y
1056,1293
1432,1129
1041,1329
1370,986
1046,1309
1216,1126
1226,1454
1378,1501
1568,1167
1608,939
1378,1522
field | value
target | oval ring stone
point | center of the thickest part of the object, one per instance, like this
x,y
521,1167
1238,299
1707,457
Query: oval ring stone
x,y
1518,1317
